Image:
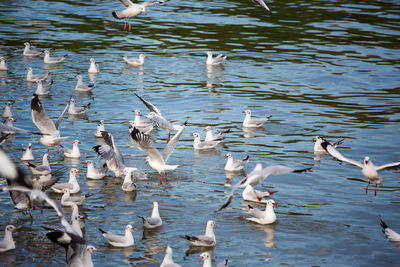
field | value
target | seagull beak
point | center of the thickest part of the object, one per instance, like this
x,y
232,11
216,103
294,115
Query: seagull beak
x,y
201,259
191,134
274,204
243,112
226,157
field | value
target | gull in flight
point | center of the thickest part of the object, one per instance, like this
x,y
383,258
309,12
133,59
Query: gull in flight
x,y
235,165
3,64
120,241
94,67
8,243
28,52
155,220
214,61
135,61
49,129
156,160
266,216
391,235
52,60
72,153
206,240
200,145
28,155
43,88
256,176
218,137
81,87
132,10
251,122
168,261
369,170
30,77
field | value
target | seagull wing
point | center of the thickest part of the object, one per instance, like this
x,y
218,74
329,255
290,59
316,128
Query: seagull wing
x,y
393,165
170,147
148,3
262,4
40,118
145,144
149,105
336,154
126,3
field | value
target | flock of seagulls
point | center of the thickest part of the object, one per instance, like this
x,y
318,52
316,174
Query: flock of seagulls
x,y
28,192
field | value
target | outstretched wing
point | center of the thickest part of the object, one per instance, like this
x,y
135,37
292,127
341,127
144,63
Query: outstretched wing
x,y
170,147
145,143
40,118
149,105
148,3
336,154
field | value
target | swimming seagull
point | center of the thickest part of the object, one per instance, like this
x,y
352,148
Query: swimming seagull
x,y
75,110
156,160
94,67
72,185
266,216
251,122
8,110
128,185
235,165
49,129
72,153
214,61
206,258
30,77
145,125
93,172
206,240
132,10
200,145
52,60
100,128
68,200
168,261
120,241
134,61
369,170
28,155
262,4
8,243
9,122
3,64
256,176
81,87
220,136
155,219
42,169
28,52
43,88
391,235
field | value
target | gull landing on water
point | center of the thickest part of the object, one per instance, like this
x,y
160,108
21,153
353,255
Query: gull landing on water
x,y
369,170
132,10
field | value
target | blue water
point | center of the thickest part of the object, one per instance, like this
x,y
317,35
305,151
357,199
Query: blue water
x,y
318,67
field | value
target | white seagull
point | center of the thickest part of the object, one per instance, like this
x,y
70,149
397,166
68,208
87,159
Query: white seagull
x,y
69,201
132,10
3,64
8,110
168,261
81,87
100,128
206,258
30,77
267,216
9,122
93,172
251,194
43,88
156,160
206,240
135,61
218,137
75,110
28,52
391,235
318,147
94,67
8,243
155,220
128,185
49,129
200,145
72,153
72,185
145,125
214,61
235,165
52,60
43,169
28,155
120,241
253,123
369,170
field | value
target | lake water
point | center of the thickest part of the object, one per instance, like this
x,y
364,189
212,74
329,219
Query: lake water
x,y
327,68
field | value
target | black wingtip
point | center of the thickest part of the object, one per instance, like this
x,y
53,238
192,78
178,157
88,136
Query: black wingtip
x,y
96,148
102,231
115,15
268,117
302,170
383,224
246,158
187,237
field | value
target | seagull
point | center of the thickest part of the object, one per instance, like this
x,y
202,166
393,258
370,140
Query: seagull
x,y
9,122
74,110
3,64
237,165
8,110
168,261
28,155
39,184
155,220
81,87
214,61
218,137
132,10
72,185
72,153
49,129
251,194
256,176
28,52
369,170
391,235
52,60
75,212
120,241
156,160
68,200
8,243
30,77
206,258
206,240
262,4
43,88
135,61
200,145
93,172
253,123
318,147
145,125
262,217
42,169
128,185
94,67
100,128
